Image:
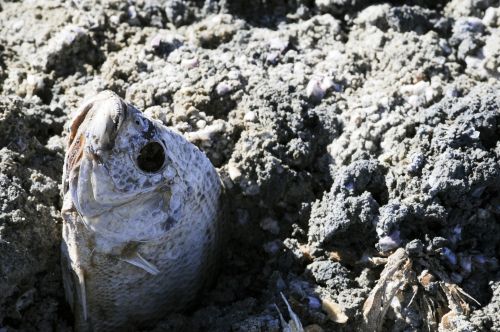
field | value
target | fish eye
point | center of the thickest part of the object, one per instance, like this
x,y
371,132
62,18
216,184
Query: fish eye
x,y
151,157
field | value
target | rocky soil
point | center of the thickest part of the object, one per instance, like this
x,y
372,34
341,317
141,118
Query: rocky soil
x,y
342,129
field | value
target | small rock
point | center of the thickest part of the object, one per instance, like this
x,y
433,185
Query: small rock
x,y
190,63
273,57
34,84
66,47
438,243
334,311
417,161
318,86
466,27
234,75
278,44
250,117
200,124
132,15
389,242
164,44
314,90
415,248
491,17
233,171
223,89
115,19
177,12
205,135
418,94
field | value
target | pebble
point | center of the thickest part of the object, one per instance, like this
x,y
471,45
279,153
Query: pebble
x,y
190,63
34,83
389,242
334,311
164,44
250,116
68,35
233,171
318,86
417,161
273,57
415,247
200,124
278,44
223,89
491,17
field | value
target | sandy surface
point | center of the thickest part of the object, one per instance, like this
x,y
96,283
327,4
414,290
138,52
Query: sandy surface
x,y
342,129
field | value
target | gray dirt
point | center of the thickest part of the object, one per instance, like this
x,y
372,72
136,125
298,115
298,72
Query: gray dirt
x,y
342,130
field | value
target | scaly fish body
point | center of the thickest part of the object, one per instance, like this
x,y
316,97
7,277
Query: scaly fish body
x,y
140,211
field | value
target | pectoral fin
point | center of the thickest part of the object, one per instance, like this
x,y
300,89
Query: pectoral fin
x,y
137,260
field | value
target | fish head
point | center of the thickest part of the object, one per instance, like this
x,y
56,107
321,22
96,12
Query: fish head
x,y
121,171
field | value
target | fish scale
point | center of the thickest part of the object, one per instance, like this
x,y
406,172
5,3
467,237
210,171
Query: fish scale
x,y
125,267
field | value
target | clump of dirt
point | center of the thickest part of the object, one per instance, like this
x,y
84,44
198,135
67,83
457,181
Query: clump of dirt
x,y
358,143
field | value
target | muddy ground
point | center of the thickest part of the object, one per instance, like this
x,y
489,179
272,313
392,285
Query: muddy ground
x,y
342,129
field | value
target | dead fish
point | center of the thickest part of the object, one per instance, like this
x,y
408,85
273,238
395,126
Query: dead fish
x,y
140,218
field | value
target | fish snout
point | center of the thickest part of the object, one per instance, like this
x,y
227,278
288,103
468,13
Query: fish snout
x,y
108,114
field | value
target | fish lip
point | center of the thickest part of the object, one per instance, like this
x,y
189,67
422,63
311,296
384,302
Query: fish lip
x,y
80,138
107,119
89,105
